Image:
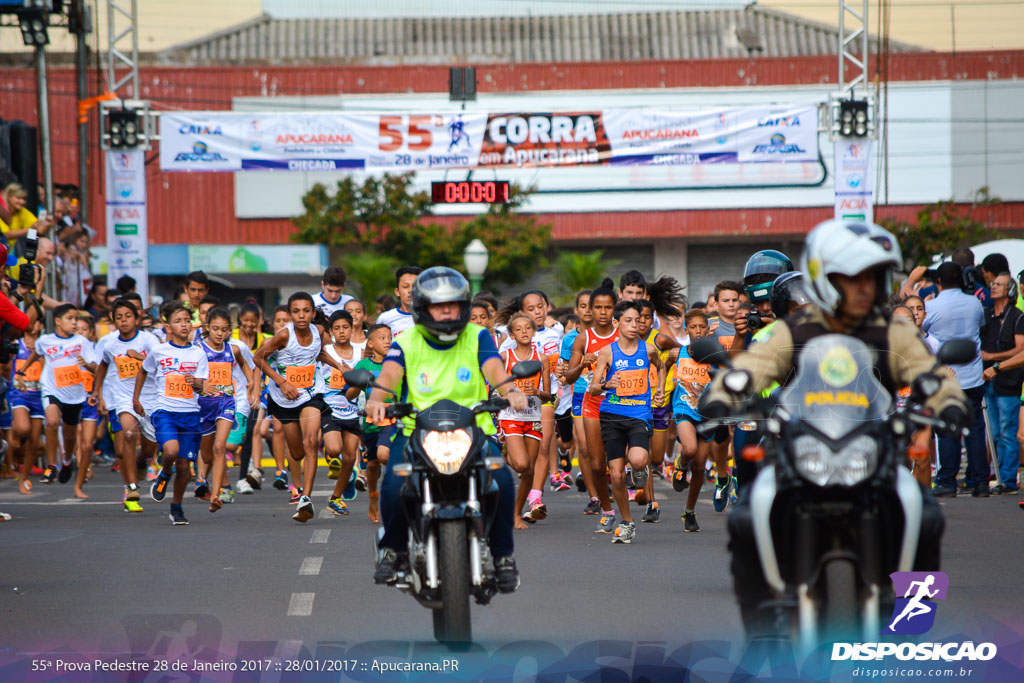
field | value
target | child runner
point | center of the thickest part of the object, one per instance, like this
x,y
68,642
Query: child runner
x,y
522,429
247,395
270,427
86,327
356,309
179,370
340,427
296,396
623,375
584,482
63,392
376,438
120,355
26,403
691,380
563,409
581,365
400,319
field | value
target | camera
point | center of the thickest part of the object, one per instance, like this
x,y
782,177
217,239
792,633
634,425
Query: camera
x,y
754,321
970,280
8,346
27,274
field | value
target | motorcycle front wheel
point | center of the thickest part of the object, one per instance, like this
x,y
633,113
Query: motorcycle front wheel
x,y
452,624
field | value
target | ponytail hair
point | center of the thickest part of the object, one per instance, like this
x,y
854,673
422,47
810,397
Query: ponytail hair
x,y
607,288
515,305
665,294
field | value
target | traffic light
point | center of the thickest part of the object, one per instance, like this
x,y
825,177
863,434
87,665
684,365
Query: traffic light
x,y
853,118
124,129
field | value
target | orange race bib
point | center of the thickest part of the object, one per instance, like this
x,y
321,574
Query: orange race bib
x,y
632,382
337,382
220,374
178,386
87,381
300,376
33,373
67,376
726,341
127,367
689,370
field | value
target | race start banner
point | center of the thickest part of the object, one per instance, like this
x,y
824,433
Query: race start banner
x,y
227,141
127,249
854,180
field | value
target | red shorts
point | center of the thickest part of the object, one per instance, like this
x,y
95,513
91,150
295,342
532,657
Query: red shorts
x,y
529,430
592,406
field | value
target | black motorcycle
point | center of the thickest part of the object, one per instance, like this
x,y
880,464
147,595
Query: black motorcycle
x,y
450,501
834,511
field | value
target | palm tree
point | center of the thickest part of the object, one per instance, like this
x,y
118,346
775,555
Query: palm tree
x,y
582,270
373,274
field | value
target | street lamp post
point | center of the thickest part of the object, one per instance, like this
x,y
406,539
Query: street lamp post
x,y
475,258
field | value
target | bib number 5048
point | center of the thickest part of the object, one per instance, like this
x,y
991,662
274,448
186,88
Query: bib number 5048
x,y
415,134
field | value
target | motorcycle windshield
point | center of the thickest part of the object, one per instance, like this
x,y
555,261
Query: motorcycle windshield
x,y
835,389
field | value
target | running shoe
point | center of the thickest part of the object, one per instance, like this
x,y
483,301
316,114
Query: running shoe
x,y
568,479
733,495
64,476
350,489
606,525
255,478
624,533
564,461
679,481
537,512
337,506
281,480
554,482
333,468
159,488
131,492
632,494
361,482
581,485
560,484
506,575
227,495
304,512
653,513
638,478
177,515
152,472
132,505
296,495
244,487
202,489
593,507
722,494
5,517
690,521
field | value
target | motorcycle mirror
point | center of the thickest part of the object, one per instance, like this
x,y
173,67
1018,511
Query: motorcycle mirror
x,y
527,368
957,352
708,350
737,381
358,378
926,385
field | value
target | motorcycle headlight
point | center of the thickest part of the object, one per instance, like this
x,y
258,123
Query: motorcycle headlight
x,y
850,465
447,450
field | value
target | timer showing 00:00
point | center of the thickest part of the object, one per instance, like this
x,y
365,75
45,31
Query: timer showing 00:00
x,y
469,191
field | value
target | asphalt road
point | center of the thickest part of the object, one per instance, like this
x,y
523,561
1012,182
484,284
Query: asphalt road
x,y
85,577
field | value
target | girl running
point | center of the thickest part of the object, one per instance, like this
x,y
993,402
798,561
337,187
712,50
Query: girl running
x,y
356,309
91,418
26,407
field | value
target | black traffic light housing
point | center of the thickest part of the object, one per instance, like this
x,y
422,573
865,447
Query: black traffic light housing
x,y
125,129
853,118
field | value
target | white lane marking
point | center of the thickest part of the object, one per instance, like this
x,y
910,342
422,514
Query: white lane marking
x,y
326,514
301,604
320,536
311,566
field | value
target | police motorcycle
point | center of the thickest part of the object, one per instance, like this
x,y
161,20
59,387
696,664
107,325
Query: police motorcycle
x,y
833,512
451,502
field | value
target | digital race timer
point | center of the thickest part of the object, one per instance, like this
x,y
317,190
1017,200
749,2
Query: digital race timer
x,y
469,192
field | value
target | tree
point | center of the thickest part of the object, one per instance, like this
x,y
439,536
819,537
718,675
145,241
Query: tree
x,y
384,216
577,270
373,274
941,228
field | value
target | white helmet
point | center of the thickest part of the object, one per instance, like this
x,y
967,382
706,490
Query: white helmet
x,y
847,247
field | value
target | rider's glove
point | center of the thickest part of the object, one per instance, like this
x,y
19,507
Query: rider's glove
x,y
956,416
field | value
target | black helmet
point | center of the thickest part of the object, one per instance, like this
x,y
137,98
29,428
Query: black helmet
x,y
760,272
439,285
788,291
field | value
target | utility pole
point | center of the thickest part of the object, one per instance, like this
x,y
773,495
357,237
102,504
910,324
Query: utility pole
x,y
80,24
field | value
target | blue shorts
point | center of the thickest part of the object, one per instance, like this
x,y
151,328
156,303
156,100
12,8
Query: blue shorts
x,y
6,418
114,421
660,417
213,409
90,413
31,400
577,404
180,427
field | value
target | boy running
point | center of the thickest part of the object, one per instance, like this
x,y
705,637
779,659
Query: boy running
x,y
376,437
340,427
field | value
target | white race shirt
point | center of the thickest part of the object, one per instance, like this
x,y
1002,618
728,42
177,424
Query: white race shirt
x,y
322,304
169,361
341,407
62,375
122,370
300,360
398,320
242,406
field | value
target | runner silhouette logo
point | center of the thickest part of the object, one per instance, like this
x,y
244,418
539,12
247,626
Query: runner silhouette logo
x,y
915,608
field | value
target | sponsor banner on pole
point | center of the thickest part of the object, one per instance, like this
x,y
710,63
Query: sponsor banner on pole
x,y
205,141
127,241
854,179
